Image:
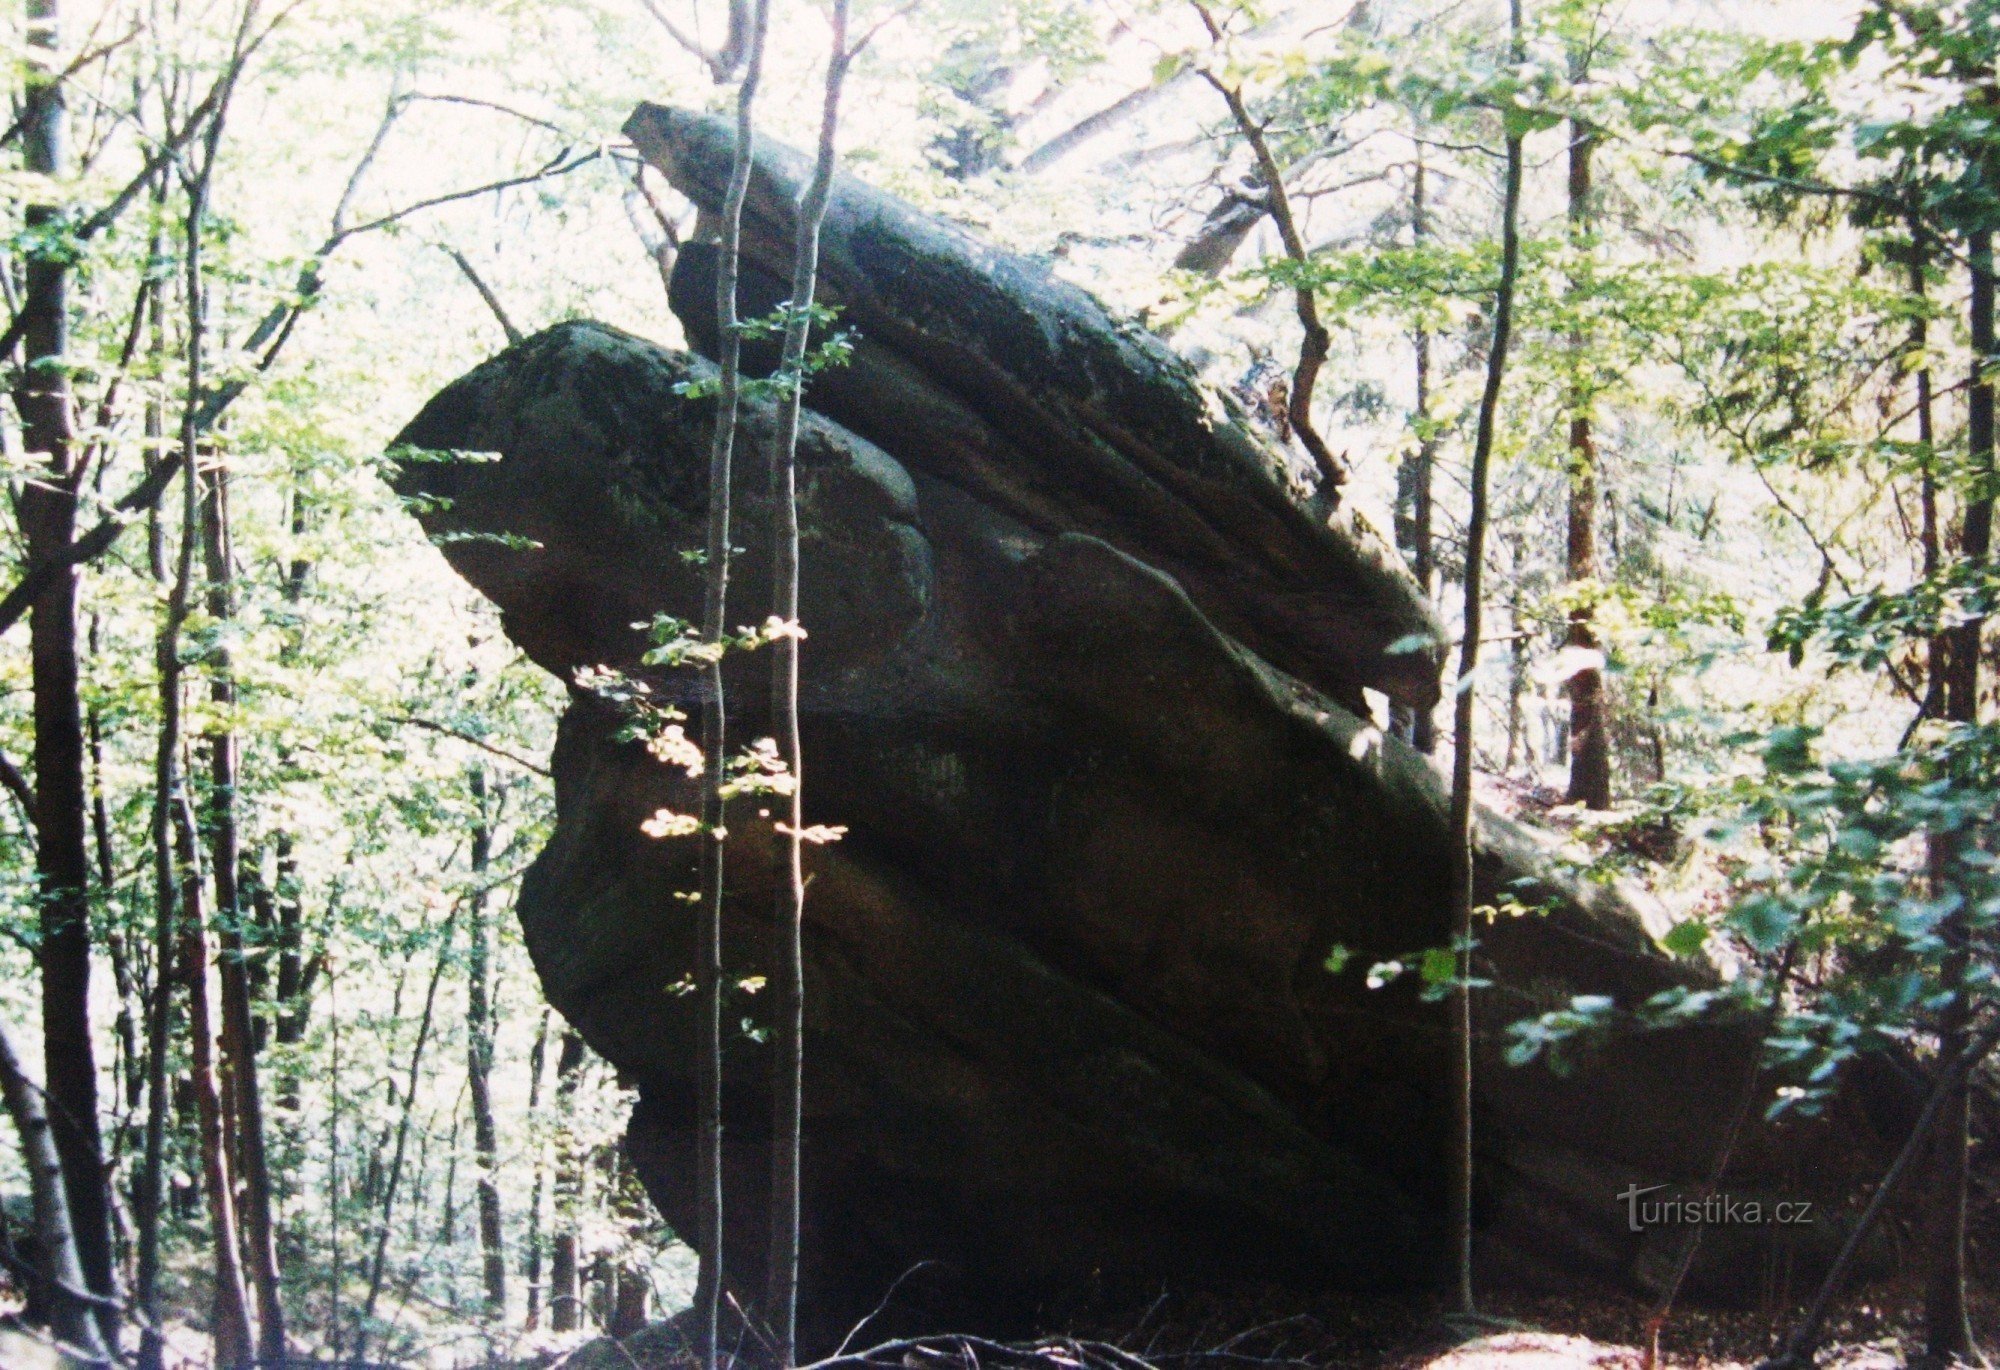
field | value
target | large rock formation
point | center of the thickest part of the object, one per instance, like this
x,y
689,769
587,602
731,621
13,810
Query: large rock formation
x,y
1082,685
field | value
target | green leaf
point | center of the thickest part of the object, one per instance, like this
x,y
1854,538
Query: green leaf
x,y
1686,939
1764,921
1439,966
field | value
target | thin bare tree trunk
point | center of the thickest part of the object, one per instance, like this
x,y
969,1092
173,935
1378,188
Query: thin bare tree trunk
x,y
1589,735
1316,342
233,1344
131,1067
231,1318
564,1304
714,723
1414,473
379,1263
781,1294
479,1055
75,1319
166,798
225,859
1462,704
292,985
531,1267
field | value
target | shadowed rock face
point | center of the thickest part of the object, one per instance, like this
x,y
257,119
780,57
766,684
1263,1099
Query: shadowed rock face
x,y
1069,1022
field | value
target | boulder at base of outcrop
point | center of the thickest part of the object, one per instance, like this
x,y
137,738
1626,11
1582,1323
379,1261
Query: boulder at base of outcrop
x,y
1081,689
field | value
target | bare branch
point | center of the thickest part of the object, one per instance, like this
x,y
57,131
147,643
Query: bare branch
x,y
390,113
270,335
485,292
1317,343
474,102
81,61
446,730
559,165
722,63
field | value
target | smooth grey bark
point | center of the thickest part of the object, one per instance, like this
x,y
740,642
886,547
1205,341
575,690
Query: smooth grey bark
x,y
75,1311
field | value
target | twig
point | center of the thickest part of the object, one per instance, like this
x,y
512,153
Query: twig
x,y
724,62
485,293
76,65
877,1311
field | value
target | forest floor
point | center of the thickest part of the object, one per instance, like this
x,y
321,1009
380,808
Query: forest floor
x,y
1534,1333
1546,1332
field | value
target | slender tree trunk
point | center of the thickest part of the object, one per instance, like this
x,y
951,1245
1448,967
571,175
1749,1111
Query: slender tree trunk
x,y
131,1067
631,1283
167,798
1589,735
447,1233
1938,666
1413,474
531,1263
781,1294
1462,710
292,985
714,725
379,1263
290,989
233,1343
1315,341
336,1266
75,1321
231,1317
563,1293
1947,1326
48,525
479,1056
225,859
1517,654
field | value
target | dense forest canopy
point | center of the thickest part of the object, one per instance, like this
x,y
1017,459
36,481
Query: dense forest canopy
x,y
1650,333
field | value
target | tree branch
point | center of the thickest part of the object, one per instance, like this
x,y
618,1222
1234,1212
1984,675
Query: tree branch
x,y
270,334
446,730
1317,343
485,292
